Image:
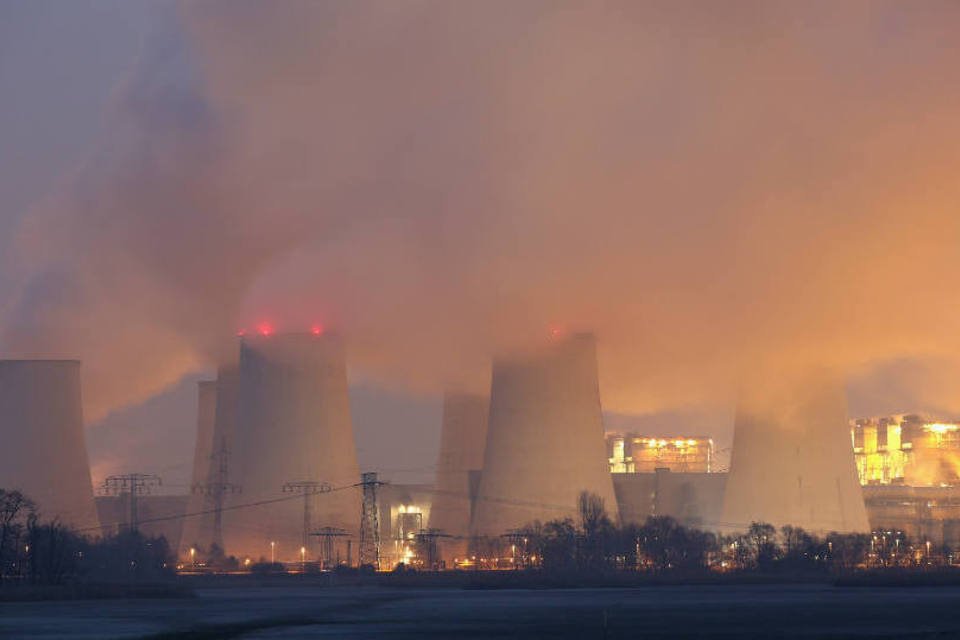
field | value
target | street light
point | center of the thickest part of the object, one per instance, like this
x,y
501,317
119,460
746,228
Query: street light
x,y
273,552
303,559
193,556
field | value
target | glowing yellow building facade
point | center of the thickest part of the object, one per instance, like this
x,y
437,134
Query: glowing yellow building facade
x,y
908,450
636,453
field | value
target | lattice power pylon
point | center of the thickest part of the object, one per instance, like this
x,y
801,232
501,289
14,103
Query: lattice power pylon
x,y
327,536
217,488
306,488
132,485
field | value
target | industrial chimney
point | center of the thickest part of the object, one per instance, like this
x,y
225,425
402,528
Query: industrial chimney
x,y
463,436
792,460
545,441
197,531
44,453
294,437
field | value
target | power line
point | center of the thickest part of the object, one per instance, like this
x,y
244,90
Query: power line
x,y
233,507
306,488
132,485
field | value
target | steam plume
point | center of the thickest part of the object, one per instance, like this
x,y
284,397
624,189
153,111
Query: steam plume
x,y
703,186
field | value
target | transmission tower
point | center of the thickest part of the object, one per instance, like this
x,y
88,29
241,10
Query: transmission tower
x,y
306,488
218,488
327,537
370,521
131,485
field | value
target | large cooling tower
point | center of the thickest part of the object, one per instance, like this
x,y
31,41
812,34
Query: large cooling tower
x,y
463,437
43,451
293,428
197,530
545,440
792,460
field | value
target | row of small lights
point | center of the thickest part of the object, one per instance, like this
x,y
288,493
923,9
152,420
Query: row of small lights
x,y
273,554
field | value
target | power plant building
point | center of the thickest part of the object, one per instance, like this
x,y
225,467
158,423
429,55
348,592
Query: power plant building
x,y
545,442
641,453
294,455
44,452
906,449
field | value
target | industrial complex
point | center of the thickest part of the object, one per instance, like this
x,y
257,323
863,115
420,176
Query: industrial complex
x,y
275,476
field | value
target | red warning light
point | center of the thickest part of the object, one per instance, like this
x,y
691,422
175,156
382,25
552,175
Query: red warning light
x,y
265,329
317,329
556,332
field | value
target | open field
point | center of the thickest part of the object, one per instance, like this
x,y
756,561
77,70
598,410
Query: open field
x,y
793,611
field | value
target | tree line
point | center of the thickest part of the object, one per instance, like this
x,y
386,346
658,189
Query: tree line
x,y
594,543
47,552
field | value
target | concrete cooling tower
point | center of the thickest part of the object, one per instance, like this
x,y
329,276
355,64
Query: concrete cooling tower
x,y
44,453
545,440
197,530
294,435
463,436
792,460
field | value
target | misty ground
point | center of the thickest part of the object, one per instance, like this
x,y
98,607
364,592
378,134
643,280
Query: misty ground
x,y
792,611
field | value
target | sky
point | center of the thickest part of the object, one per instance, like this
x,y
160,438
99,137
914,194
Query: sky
x,y
715,190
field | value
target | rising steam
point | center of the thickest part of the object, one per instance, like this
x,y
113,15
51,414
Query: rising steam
x,y
706,186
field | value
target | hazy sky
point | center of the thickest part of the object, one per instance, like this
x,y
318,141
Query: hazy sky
x,y
706,185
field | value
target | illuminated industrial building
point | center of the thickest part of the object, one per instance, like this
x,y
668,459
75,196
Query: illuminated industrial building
x,y
637,453
906,450
404,511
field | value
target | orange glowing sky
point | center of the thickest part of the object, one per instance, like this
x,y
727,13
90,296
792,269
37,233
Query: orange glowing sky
x,y
707,187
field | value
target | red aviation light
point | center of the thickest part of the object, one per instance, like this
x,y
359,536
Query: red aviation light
x,y
317,329
556,332
265,329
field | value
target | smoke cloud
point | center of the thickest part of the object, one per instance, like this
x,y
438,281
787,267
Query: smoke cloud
x,y
706,187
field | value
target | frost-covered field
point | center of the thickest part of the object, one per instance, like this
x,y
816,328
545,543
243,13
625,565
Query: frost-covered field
x,y
311,612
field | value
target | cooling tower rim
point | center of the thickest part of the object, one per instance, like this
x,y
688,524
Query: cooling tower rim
x,y
282,335
536,354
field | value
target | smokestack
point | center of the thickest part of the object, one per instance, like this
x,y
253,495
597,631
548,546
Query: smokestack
x,y
293,426
545,441
196,529
44,453
792,460
462,440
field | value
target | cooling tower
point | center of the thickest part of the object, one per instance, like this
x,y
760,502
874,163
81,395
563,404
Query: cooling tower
x,y
197,530
43,451
293,427
545,440
792,460
463,436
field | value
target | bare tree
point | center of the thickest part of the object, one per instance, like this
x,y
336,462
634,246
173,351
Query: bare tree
x,y
15,511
